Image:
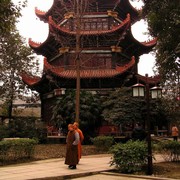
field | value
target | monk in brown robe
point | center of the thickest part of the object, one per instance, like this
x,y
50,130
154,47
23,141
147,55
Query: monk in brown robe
x,y
81,136
72,141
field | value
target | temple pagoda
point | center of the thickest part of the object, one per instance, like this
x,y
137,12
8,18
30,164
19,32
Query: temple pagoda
x,y
108,55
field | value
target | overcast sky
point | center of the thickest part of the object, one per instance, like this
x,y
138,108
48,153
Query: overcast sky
x,y
30,26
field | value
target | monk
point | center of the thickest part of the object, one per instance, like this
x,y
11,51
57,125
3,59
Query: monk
x,y
175,132
72,141
81,136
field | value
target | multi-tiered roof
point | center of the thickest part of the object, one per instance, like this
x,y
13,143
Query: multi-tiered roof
x,y
109,53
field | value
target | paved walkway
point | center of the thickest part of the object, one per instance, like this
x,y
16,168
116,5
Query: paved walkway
x,y
55,169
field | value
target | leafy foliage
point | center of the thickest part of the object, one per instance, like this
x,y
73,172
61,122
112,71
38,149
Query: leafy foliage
x,y
20,127
159,113
163,20
168,110
103,142
90,111
170,150
129,157
9,13
15,56
120,107
12,150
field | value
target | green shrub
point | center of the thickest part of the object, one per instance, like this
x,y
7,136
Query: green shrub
x,y
4,131
24,127
12,150
129,157
103,142
170,150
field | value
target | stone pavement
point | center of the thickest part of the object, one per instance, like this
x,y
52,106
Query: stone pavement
x,y
90,167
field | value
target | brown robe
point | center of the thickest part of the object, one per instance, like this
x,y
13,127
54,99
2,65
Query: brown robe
x,y
71,150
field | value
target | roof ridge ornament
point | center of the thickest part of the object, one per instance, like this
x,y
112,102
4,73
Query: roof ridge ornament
x,y
39,11
116,49
69,15
112,13
150,42
34,43
63,50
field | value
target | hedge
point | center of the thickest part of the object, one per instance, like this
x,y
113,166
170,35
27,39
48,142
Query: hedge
x,y
103,142
170,150
13,150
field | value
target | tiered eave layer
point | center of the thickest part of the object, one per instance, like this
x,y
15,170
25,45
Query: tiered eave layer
x,y
123,7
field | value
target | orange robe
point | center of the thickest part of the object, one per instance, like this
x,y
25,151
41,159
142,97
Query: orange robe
x,y
175,131
81,138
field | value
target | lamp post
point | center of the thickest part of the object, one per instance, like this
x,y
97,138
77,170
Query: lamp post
x,y
1,84
139,90
78,39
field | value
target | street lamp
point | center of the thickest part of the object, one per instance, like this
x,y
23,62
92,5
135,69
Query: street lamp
x,y
139,90
156,92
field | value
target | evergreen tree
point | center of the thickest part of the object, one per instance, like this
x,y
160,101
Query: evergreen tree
x,y
121,108
90,111
164,23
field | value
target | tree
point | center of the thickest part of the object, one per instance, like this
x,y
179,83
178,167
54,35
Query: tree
x,y
163,20
9,13
90,111
171,109
121,108
15,56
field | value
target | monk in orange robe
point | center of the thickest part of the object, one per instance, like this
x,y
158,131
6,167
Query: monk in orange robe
x,y
175,132
81,138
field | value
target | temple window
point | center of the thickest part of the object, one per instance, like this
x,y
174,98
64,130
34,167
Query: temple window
x,y
87,26
99,26
90,24
93,26
95,61
105,26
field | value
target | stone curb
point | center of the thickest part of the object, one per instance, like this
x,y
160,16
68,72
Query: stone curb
x,y
104,173
137,176
71,176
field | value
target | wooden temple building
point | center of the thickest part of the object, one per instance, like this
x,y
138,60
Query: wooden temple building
x,y
109,54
